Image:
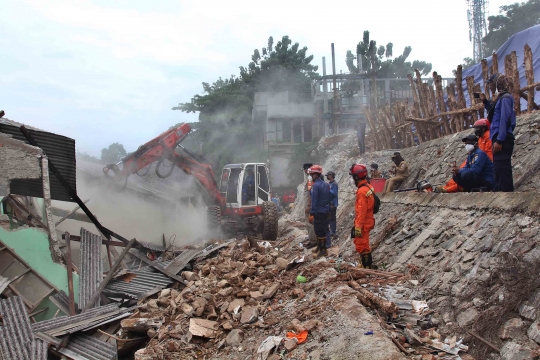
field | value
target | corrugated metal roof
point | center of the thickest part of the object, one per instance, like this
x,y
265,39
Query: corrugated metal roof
x,y
151,246
142,283
61,152
90,348
90,270
62,300
181,260
70,324
17,340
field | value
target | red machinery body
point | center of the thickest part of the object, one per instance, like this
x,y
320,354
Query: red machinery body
x,y
241,201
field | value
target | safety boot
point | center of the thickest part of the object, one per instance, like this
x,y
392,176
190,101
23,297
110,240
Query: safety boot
x,y
316,247
312,244
367,261
322,248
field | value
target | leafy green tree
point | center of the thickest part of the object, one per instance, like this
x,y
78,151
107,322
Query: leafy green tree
x,y
113,154
380,62
511,19
226,129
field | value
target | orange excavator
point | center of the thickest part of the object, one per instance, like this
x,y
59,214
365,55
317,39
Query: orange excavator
x,y
241,203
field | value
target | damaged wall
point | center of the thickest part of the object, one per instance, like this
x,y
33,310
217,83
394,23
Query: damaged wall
x,y
32,245
18,160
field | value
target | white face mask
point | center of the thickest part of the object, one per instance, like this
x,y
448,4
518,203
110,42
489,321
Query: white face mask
x,y
351,181
469,147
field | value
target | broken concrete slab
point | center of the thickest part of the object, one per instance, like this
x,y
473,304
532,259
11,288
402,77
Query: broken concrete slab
x,y
202,327
250,314
235,337
236,303
511,328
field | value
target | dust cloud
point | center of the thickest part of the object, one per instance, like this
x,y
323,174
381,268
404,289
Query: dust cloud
x,y
145,218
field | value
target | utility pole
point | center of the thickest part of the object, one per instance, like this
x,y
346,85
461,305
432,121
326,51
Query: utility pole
x,y
335,102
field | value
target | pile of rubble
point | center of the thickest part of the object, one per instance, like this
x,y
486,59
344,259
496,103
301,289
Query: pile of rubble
x,y
272,300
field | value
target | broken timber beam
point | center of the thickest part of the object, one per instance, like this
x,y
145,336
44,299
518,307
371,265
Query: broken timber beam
x,y
370,299
56,254
109,276
69,214
467,110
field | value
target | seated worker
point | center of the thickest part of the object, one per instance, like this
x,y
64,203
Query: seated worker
x,y
478,171
481,130
400,170
374,173
248,187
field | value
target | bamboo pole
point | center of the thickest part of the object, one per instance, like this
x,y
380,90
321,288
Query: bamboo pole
x,y
460,96
470,91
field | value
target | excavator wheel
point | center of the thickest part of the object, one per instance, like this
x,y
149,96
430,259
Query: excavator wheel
x,y
214,218
270,219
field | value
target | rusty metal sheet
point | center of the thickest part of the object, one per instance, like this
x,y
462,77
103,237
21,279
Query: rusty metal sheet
x,y
91,271
17,341
182,260
61,152
150,246
143,282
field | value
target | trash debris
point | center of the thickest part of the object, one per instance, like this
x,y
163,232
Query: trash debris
x,y
302,336
301,279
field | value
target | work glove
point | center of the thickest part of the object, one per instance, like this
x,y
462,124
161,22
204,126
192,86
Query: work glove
x,y
357,232
439,189
311,219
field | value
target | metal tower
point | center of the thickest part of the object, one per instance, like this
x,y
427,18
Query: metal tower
x,y
477,26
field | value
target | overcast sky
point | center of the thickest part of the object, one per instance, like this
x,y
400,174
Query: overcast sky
x,y
105,71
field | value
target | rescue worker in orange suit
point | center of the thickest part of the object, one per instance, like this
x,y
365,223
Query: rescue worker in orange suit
x,y
364,221
320,208
481,130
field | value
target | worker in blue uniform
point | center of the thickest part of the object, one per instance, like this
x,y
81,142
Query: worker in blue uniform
x,y
478,173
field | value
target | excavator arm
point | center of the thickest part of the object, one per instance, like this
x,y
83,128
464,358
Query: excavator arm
x,y
161,148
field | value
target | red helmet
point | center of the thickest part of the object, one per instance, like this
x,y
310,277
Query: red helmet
x,y
315,169
482,122
358,170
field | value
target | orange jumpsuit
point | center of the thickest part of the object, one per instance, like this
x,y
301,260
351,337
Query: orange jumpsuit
x,y
365,201
484,144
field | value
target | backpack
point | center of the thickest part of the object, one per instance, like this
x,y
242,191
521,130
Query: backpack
x,y
377,203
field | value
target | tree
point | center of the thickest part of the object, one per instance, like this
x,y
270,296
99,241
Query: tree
x,y
512,19
380,62
113,154
226,129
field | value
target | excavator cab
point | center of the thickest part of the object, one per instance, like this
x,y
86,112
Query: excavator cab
x,y
248,206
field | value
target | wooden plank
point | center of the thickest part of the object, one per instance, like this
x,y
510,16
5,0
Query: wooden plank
x,y
485,78
470,91
441,105
455,112
56,254
494,63
529,75
69,214
514,80
460,95
69,266
109,276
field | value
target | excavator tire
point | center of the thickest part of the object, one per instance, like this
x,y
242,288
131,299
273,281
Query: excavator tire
x,y
270,221
214,218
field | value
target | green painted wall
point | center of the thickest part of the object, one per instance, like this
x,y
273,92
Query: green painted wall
x,y
32,245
